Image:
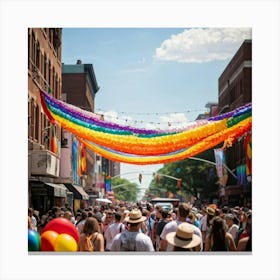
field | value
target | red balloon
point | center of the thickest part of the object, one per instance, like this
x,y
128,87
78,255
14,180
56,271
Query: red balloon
x,y
48,239
62,225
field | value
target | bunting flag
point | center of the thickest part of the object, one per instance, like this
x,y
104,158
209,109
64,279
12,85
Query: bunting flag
x,y
219,159
74,160
81,159
54,140
241,175
248,152
145,146
107,183
221,170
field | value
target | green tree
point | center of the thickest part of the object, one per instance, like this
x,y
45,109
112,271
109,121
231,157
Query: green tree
x,y
197,176
125,190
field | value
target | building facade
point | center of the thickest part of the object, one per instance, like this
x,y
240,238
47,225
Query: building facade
x,y
44,73
80,87
235,90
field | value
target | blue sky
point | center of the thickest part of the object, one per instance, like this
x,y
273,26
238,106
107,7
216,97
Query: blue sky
x,y
145,74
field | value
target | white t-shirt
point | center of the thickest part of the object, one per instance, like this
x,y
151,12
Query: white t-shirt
x,y
233,230
172,227
111,231
132,241
203,223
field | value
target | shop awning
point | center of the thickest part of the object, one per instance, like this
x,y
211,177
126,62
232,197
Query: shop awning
x,y
78,191
59,189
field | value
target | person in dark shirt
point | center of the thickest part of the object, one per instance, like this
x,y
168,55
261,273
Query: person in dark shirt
x,y
163,220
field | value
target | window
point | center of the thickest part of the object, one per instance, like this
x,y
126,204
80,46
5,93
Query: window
x,y
37,122
29,118
37,61
33,51
32,122
53,82
29,50
50,75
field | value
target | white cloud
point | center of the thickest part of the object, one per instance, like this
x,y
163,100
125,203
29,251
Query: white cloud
x,y
174,120
113,116
202,44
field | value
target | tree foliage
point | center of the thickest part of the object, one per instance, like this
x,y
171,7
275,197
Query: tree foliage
x,y
125,190
197,176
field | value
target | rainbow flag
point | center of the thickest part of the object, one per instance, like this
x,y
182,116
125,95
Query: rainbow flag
x,y
54,140
248,152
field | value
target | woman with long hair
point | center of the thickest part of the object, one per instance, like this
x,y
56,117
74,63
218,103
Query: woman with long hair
x,y
245,243
91,239
219,239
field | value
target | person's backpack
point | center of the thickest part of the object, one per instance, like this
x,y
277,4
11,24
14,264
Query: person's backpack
x,y
88,244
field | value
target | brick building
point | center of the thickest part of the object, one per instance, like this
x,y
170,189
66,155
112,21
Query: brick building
x,y
44,72
235,90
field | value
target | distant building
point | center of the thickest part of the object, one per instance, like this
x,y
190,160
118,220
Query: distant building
x,y
212,111
235,90
80,87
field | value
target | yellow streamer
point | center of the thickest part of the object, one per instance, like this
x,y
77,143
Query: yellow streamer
x,y
144,146
209,142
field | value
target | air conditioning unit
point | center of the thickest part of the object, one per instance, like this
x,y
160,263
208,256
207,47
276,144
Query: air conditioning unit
x,y
44,163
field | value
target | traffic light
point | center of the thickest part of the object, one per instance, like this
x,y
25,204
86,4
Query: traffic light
x,y
140,178
179,182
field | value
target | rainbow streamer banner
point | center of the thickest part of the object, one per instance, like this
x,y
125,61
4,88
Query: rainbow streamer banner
x,y
146,146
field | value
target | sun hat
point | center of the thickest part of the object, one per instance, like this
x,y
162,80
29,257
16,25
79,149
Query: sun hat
x,y
184,236
229,216
210,211
135,216
194,210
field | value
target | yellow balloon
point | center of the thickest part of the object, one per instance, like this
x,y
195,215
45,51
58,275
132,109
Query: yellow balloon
x,y
65,243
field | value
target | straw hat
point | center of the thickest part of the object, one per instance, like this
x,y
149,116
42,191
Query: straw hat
x,y
135,216
210,211
184,237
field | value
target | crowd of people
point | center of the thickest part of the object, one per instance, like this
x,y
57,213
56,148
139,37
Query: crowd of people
x,y
115,228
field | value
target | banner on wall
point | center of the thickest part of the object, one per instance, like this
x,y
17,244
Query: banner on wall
x,y
248,152
221,170
241,175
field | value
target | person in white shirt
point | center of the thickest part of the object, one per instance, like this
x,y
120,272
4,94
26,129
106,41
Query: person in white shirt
x,y
133,239
182,214
232,227
112,230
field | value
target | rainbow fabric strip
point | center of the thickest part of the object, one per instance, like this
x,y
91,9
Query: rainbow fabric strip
x,y
142,146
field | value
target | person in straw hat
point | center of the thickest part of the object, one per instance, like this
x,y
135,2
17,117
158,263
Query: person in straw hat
x,y
182,214
205,223
184,238
133,239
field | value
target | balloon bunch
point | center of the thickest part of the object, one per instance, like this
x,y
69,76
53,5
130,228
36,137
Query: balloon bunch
x,y
59,235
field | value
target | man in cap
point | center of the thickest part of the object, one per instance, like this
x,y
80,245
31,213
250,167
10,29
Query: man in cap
x,y
133,239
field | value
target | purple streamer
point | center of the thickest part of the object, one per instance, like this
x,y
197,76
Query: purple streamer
x,y
96,121
235,112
